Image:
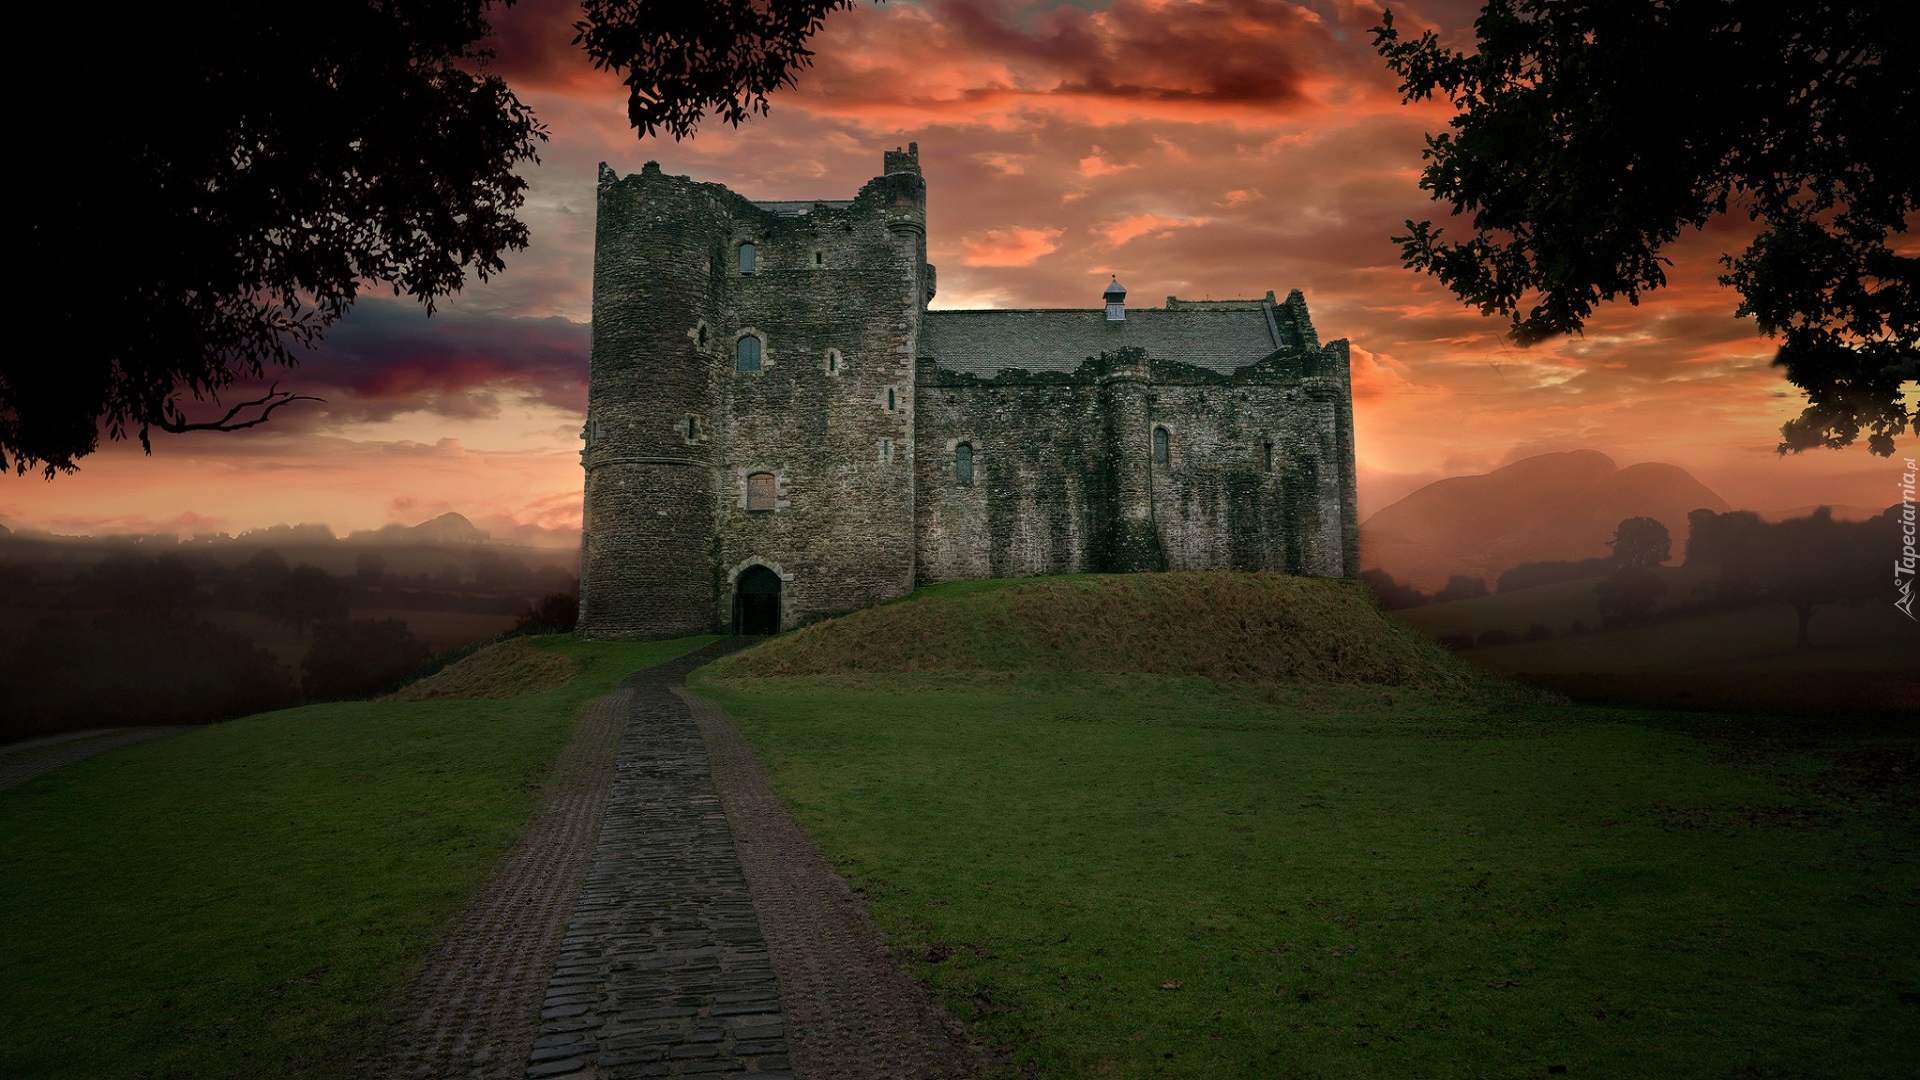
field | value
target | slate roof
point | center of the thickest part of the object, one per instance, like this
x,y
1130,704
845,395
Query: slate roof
x,y
984,343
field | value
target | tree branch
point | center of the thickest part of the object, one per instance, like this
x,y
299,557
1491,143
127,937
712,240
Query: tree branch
x,y
176,422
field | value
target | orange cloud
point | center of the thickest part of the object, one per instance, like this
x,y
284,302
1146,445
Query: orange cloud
x,y
1015,246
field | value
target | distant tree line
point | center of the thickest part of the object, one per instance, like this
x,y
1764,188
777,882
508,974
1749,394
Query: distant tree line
x,y
1805,563
143,659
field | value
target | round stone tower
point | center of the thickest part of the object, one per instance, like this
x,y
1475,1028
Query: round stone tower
x,y
648,510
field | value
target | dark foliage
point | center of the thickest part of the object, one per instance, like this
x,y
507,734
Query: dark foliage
x,y
358,658
1591,132
1461,587
1535,574
1626,597
681,60
275,161
265,164
1539,632
1457,641
1641,542
131,581
369,567
303,596
1803,562
1391,595
1490,638
554,612
132,669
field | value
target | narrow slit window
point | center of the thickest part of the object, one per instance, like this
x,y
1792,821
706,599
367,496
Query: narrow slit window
x,y
1267,460
760,491
963,463
747,257
833,361
693,428
1159,446
819,259
746,354
889,399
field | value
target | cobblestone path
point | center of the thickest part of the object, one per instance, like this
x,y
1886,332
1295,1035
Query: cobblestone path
x,y
475,1009
664,971
23,761
702,932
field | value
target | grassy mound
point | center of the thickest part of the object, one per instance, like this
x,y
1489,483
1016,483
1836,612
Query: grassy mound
x,y
508,669
1250,628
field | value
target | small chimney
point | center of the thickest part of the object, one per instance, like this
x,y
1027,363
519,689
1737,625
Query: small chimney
x,y
1116,297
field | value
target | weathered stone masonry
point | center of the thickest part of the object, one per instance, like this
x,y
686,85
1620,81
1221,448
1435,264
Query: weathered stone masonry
x,y
859,444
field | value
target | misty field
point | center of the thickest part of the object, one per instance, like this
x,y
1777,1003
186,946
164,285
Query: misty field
x,y
251,898
1130,877
1294,840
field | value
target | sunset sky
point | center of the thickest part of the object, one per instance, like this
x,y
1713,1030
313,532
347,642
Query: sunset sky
x,y
1204,149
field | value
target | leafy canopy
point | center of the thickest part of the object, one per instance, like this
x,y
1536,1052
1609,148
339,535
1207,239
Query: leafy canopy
x,y
1589,133
217,184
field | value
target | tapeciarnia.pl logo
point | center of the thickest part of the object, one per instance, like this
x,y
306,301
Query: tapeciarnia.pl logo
x,y
1903,566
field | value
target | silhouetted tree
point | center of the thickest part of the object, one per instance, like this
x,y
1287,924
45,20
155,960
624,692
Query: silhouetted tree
x,y
303,597
1591,132
135,582
1535,574
1392,595
1641,542
369,567
1805,563
270,162
1626,597
1717,539
352,659
1461,587
555,611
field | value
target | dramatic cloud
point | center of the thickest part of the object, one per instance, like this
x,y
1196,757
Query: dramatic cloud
x,y
1202,149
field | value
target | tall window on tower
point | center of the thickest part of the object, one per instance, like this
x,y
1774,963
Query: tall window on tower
x,y
746,354
747,254
760,491
1159,446
963,463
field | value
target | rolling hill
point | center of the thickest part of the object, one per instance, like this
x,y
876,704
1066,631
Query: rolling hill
x,y
1550,506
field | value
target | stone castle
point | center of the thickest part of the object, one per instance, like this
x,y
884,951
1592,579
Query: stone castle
x,y
779,430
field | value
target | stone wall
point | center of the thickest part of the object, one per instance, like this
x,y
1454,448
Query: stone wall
x,y
832,300
1258,473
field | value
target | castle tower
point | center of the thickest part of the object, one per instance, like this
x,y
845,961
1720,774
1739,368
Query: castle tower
x,y
750,431
648,455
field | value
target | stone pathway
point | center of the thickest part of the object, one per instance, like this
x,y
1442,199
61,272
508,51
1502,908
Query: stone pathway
x,y
664,971
707,933
21,762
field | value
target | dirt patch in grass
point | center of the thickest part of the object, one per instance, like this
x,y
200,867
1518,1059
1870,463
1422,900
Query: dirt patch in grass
x,y
509,669
1247,628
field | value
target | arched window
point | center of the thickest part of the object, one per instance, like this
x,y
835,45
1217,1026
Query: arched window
x,y
760,491
963,463
747,254
889,399
1159,446
833,361
746,354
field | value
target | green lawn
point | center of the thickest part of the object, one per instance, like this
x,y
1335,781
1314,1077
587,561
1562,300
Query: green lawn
x,y
1124,876
252,898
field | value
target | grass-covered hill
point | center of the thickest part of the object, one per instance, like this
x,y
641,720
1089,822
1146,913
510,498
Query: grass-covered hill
x,y
1244,628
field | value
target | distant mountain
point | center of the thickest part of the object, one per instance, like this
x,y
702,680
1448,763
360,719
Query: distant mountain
x,y
1551,506
448,528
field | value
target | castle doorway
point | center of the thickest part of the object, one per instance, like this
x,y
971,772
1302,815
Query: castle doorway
x,y
756,602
